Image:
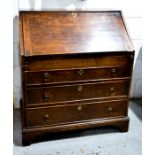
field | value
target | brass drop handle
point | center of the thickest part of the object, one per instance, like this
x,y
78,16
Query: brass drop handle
x,y
80,88
113,72
46,117
45,97
110,109
80,107
112,89
45,77
81,72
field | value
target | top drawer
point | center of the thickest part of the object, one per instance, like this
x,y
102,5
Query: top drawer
x,y
74,61
75,75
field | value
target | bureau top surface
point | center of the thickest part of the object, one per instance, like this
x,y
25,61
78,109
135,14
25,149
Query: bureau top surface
x,y
68,32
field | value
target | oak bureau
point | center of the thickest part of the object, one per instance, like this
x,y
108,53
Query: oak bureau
x,y
76,69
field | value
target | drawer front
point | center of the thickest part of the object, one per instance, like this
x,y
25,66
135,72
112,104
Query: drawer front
x,y
76,61
64,93
60,76
75,112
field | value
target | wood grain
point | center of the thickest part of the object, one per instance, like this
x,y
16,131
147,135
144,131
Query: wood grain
x,y
76,69
62,32
75,75
64,93
69,113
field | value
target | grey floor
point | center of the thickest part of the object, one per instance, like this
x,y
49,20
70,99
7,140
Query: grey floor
x,y
101,141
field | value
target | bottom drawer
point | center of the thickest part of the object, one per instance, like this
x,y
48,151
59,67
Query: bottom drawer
x,y
70,113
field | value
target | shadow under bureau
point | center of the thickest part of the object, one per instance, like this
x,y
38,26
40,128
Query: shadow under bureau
x,y
76,69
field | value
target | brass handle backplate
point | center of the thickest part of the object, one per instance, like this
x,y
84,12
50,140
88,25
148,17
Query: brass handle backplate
x,y
112,91
110,109
113,72
46,117
80,107
45,77
80,88
45,97
81,72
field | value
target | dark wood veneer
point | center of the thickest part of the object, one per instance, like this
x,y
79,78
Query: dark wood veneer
x,y
68,113
76,69
76,92
74,75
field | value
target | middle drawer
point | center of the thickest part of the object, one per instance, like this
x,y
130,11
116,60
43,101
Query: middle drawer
x,y
62,93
